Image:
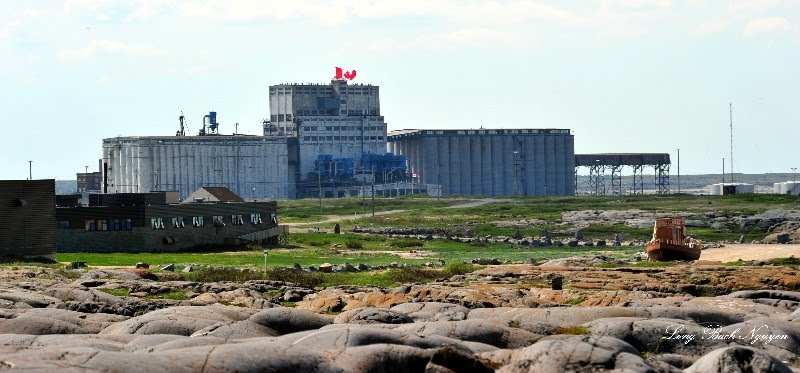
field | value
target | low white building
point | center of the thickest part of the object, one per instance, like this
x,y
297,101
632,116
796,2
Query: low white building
x,y
724,189
787,187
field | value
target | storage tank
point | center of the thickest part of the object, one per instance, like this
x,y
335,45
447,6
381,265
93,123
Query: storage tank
x,y
791,187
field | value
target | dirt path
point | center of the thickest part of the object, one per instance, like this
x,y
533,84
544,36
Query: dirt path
x,y
336,218
476,203
734,252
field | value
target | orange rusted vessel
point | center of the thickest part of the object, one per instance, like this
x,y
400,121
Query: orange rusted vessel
x,y
669,241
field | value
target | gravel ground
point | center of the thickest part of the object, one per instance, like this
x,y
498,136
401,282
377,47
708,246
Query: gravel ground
x,y
734,252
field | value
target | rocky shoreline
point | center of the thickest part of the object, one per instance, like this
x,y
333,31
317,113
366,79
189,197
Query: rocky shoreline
x,y
693,317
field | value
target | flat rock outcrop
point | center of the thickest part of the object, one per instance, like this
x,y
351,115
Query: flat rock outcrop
x,y
692,318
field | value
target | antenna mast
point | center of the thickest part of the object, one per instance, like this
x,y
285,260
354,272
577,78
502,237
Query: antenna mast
x,y
730,109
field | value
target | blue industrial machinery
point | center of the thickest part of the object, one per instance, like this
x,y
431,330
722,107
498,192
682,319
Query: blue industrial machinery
x,y
213,126
329,167
387,167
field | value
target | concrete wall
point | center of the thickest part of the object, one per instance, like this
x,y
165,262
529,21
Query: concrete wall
x,y
27,218
183,164
482,162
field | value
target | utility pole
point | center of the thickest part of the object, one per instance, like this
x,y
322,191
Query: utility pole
x,y
679,170
30,170
373,191
363,190
86,169
439,180
266,252
731,121
515,171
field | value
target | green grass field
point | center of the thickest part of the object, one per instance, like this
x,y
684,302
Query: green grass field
x,y
315,249
430,213
425,212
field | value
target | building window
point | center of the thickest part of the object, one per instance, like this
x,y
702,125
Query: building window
x,y
63,224
91,226
236,220
255,218
115,226
102,225
128,224
218,220
177,222
157,223
197,221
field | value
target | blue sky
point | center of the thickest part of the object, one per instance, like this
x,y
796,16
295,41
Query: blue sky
x,y
624,75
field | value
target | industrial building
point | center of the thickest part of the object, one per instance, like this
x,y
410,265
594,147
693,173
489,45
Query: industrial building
x,y
141,222
89,182
330,140
250,166
491,162
28,218
334,125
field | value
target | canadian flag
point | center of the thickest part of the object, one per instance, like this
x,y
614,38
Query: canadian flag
x,y
349,75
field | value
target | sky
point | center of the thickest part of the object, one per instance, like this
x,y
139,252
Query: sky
x,y
623,75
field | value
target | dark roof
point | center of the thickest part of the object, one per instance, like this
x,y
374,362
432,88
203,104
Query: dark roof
x,y
223,194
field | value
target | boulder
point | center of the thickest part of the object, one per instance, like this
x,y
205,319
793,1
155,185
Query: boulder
x,y
737,359
290,320
566,353
486,332
183,320
432,311
326,268
372,316
236,329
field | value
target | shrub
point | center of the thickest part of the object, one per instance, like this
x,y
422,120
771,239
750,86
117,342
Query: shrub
x,y
174,295
120,292
322,243
296,276
459,268
215,274
412,274
576,301
354,244
786,261
69,273
404,243
573,330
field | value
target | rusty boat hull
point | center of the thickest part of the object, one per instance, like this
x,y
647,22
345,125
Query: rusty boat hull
x,y
659,251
